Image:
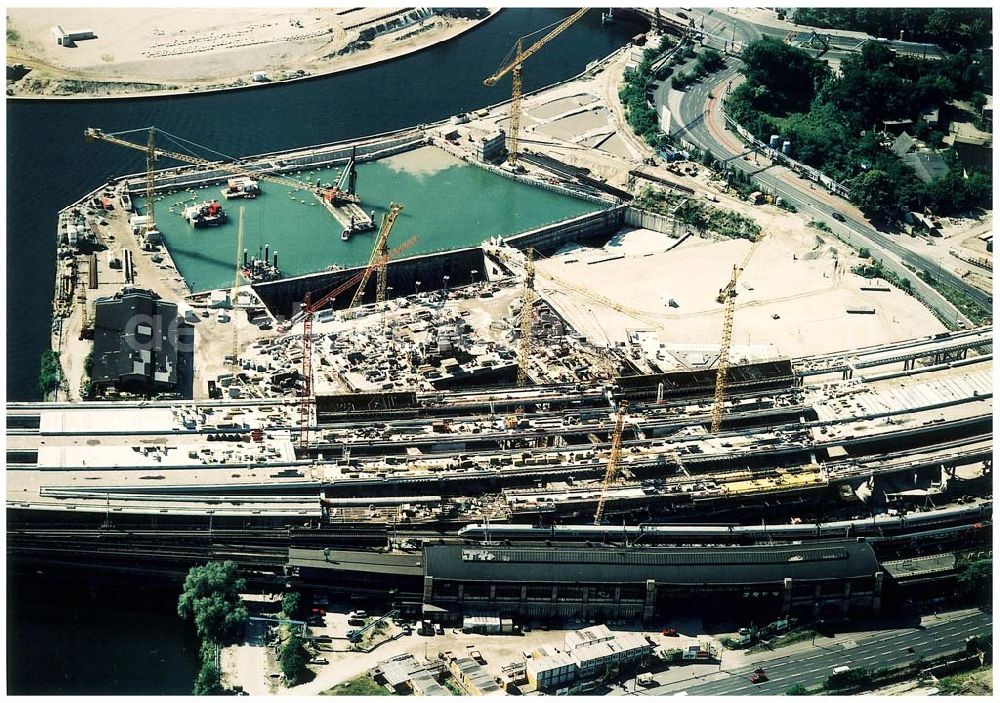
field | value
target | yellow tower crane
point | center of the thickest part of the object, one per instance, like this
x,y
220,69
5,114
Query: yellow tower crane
x,y
379,258
514,68
150,159
236,285
616,455
727,296
527,313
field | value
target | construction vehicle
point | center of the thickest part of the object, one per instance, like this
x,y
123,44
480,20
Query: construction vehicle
x,y
379,258
332,195
616,452
309,308
514,68
727,296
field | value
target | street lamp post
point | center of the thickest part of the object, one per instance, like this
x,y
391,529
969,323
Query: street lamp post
x,y
417,283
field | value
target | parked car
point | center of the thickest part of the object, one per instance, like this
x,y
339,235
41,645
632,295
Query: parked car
x,y
319,660
671,632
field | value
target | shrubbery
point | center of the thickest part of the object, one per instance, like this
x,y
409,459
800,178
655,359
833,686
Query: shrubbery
x,y
829,118
50,375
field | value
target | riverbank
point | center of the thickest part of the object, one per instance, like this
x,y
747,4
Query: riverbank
x,y
153,53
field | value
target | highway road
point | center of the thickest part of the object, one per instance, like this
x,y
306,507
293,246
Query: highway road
x,y
811,664
697,118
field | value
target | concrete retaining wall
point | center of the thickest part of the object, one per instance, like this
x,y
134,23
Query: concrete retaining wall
x,y
585,228
283,296
637,217
285,163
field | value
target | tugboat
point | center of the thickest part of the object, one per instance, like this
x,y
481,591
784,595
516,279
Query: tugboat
x,y
208,214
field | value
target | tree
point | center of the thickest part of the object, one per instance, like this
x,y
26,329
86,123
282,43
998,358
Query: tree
x,y
211,598
873,190
291,604
975,581
293,659
790,74
50,375
797,690
209,679
851,678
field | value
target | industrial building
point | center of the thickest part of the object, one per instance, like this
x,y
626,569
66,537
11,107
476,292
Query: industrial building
x,y
587,654
135,343
491,147
826,579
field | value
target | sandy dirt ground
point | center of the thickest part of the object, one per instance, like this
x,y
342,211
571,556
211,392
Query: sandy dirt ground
x,y
792,300
139,51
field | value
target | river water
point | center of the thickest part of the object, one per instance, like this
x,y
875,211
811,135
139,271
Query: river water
x,y
49,164
98,646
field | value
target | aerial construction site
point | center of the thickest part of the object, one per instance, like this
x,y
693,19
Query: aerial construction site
x,y
553,403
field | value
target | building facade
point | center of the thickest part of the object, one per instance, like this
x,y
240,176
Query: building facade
x,y
828,580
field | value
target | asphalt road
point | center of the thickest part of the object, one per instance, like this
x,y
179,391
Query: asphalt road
x,y
812,665
700,104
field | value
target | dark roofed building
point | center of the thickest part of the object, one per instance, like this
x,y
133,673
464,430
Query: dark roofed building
x,y
897,126
135,343
974,153
903,145
928,165
826,579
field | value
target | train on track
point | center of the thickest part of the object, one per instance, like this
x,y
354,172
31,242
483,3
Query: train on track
x,y
877,526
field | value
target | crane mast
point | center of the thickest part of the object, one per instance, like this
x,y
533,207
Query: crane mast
x,y
379,257
308,308
727,296
150,158
616,453
527,310
514,68
236,285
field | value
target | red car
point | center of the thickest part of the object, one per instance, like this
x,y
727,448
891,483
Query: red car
x,y
671,632
758,678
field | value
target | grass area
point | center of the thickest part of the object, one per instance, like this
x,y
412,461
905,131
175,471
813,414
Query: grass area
x,y
698,215
820,225
792,638
978,682
960,300
358,686
874,269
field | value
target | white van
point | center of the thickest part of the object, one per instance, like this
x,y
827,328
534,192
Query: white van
x,y
841,669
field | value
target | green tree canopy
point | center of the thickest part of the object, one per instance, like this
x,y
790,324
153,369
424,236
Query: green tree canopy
x,y
211,599
873,191
975,581
790,74
293,659
291,604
